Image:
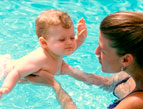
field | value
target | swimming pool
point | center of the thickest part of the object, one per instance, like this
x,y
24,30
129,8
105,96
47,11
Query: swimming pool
x,y
17,37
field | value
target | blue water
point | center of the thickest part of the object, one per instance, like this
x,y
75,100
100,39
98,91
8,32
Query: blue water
x,y
17,37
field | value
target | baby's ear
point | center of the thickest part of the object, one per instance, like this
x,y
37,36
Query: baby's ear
x,y
43,42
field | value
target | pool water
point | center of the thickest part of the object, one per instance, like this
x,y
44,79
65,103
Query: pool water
x,y
17,37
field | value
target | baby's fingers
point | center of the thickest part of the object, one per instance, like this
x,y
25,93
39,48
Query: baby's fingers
x,y
83,33
4,90
23,81
80,27
81,20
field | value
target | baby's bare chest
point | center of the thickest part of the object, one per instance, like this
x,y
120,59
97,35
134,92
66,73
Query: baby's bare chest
x,y
53,67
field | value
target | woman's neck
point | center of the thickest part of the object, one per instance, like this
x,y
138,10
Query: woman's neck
x,y
139,85
137,75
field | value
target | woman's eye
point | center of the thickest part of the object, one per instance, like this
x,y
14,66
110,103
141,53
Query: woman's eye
x,y
103,51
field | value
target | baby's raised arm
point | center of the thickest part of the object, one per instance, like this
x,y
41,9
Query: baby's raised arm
x,y
81,32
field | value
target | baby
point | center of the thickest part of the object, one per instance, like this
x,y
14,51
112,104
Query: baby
x,y
55,31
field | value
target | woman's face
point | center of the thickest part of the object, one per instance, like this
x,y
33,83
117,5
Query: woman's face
x,y
109,60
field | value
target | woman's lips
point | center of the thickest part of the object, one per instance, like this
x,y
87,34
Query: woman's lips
x,y
99,60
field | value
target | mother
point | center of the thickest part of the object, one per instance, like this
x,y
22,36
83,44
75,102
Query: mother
x,y
120,49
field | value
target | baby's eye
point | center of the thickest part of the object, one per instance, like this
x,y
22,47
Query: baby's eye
x,y
63,39
72,38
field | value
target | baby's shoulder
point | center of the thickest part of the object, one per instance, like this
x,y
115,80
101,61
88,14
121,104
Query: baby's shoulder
x,y
35,56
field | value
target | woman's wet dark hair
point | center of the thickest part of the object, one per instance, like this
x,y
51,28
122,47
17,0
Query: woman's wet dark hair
x,y
125,31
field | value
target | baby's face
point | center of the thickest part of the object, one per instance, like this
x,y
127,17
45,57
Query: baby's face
x,y
61,41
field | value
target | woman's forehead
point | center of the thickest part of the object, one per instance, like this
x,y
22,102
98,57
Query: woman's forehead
x,y
103,41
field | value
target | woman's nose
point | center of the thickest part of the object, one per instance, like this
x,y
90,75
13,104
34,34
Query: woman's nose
x,y
97,51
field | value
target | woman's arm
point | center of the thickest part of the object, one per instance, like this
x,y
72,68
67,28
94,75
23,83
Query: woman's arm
x,y
106,83
85,77
63,98
45,78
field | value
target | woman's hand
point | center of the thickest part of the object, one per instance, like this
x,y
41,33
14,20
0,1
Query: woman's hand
x,y
43,78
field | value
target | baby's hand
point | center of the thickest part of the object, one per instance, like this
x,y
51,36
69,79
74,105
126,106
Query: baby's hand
x,y
3,91
81,32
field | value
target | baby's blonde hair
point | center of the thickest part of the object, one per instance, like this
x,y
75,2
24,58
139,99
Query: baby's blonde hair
x,y
51,17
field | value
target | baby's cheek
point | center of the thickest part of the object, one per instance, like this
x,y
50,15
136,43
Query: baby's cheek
x,y
75,45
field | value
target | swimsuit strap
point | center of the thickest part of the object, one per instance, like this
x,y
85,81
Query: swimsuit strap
x,y
135,91
116,102
131,93
118,83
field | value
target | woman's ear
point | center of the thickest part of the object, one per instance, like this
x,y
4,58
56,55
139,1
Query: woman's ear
x,y
127,60
43,42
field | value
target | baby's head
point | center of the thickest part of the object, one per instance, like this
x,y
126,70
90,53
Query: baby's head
x,y
49,18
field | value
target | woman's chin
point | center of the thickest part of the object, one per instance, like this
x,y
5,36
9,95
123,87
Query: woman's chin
x,y
106,70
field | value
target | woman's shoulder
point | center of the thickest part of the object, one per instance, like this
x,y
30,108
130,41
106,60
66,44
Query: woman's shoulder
x,y
134,101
